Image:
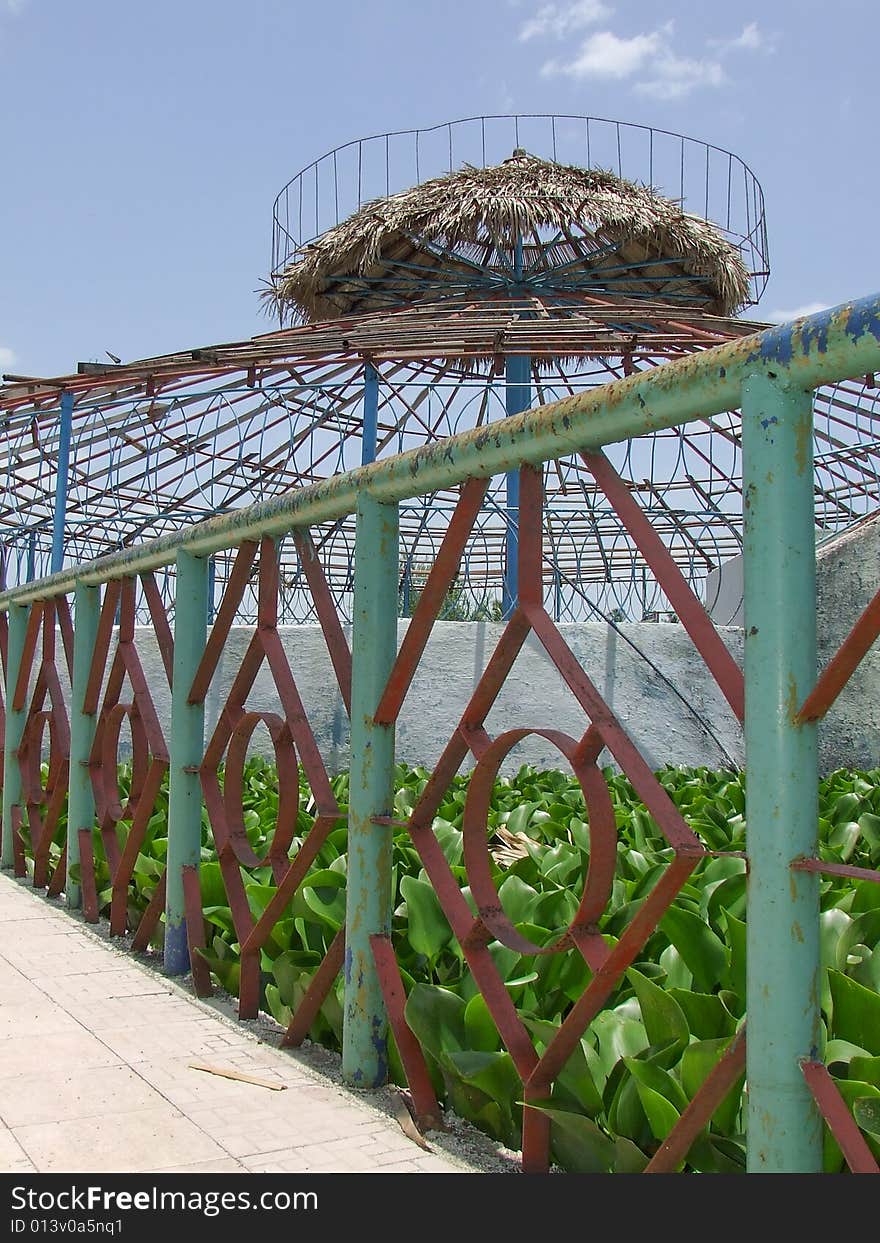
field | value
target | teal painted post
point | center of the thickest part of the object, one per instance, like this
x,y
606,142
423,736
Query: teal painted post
x,y
371,792
186,751
784,1127
81,798
15,722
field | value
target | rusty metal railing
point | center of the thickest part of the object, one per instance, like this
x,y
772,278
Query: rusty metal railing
x,y
770,377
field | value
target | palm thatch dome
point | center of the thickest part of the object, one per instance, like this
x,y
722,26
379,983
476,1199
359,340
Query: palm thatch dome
x,y
528,223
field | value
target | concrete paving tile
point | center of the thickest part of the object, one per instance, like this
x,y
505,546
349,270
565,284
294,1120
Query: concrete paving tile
x,y
120,982
283,1162
100,1013
59,1093
34,1017
227,1166
74,1048
13,1158
193,1089
190,1037
140,1141
62,962
16,989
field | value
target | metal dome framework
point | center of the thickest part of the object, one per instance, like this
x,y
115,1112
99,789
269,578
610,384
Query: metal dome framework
x,y
132,451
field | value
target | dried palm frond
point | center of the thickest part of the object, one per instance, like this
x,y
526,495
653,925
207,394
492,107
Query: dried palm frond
x,y
445,232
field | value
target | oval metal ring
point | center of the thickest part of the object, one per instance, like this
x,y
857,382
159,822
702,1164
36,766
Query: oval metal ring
x,y
288,788
603,840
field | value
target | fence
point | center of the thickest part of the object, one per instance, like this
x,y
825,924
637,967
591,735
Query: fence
x,y
769,377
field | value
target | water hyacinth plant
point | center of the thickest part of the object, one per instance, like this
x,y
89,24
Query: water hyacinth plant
x,y
670,1019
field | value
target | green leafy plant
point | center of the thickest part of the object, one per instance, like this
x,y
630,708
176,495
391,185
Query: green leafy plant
x,y
673,1014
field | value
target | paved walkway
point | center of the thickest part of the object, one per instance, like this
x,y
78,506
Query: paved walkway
x,y
95,1075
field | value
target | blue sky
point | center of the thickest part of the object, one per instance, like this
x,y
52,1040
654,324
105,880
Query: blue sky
x,y
143,142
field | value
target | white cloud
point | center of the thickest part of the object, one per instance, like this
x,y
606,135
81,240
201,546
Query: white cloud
x,y
604,55
559,20
14,6
7,357
649,55
809,308
750,39
676,76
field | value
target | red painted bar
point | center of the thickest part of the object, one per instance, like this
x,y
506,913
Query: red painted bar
x,y
322,981
428,1112
841,667
701,1107
691,613
841,1123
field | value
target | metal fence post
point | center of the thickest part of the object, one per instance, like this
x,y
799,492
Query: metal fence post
x,y
370,427
62,481
81,797
371,793
779,560
517,397
186,752
15,723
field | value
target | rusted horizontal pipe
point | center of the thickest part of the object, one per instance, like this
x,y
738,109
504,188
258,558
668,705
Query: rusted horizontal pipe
x,y
817,349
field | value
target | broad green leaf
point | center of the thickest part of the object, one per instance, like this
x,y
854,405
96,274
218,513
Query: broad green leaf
x,y
863,930
865,1068
280,1012
662,1116
870,827
436,1018
324,895
736,940
493,1072
518,900
728,897
259,897
576,1078
618,1037
480,1030
664,1019
658,1080
706,1015
697,1061
626,1115
427,930
855,1013
702,950
866,1111
841,1052
212,886
577,1143
675,969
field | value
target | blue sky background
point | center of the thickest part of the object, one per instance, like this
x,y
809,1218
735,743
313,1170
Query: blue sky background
x,y
143,142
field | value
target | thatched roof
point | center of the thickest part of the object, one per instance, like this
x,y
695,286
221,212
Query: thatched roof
x,y
455,231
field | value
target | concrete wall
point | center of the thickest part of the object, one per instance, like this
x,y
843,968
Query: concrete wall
x,y
664,697
847,576
661,707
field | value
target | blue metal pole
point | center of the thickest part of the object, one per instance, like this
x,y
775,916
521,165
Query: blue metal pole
x,y
370,429
31,566
371,792
15,723
784,1131
81,798
517,397
61,481
212,579
187,749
